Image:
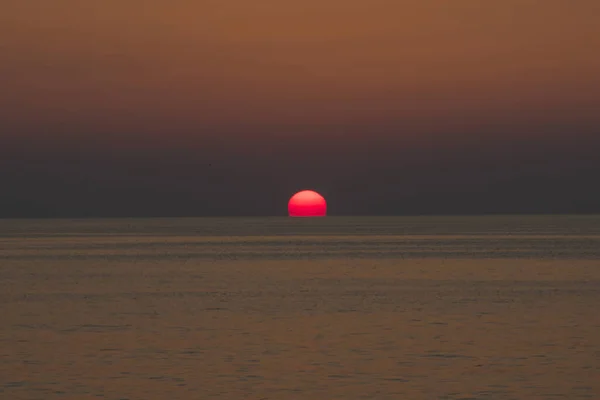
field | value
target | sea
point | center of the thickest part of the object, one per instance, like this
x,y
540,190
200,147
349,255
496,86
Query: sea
x,y
483,307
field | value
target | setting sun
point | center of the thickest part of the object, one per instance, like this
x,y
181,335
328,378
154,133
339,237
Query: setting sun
x,y
307,203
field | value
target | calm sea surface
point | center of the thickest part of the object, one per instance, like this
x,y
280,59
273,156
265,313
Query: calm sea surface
x,y
503,307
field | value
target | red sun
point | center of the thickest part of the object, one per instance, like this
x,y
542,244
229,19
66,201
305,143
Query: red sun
x,y
307,204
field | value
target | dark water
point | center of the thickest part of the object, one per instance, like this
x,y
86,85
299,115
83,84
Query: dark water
x,y
278,308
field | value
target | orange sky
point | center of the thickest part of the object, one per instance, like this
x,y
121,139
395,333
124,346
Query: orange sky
x,y
148,107
212,67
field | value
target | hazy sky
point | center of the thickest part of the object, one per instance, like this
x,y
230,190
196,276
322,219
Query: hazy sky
x,y
226,107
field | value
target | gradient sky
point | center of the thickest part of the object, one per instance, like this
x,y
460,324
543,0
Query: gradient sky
x,y
213,107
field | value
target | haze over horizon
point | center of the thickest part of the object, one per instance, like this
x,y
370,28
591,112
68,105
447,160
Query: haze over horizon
x,y
156,108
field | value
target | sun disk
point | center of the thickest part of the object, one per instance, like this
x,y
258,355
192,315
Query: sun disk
x,y
307,203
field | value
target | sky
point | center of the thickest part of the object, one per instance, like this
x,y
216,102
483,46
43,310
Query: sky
x,y
228,107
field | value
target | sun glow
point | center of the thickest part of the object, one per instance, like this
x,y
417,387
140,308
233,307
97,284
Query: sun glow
x,y
307,203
